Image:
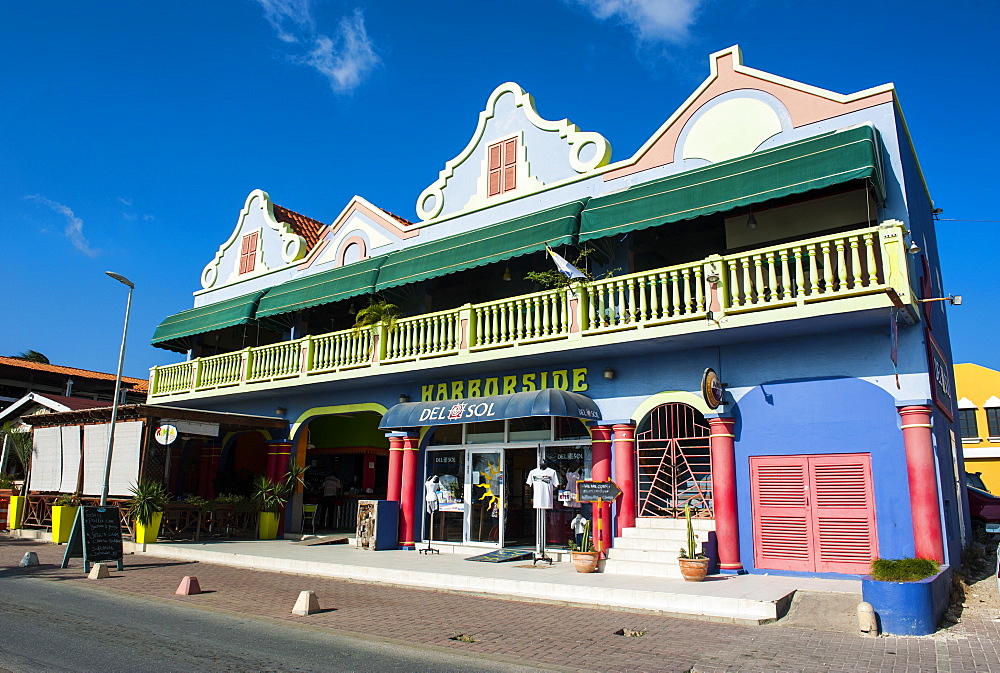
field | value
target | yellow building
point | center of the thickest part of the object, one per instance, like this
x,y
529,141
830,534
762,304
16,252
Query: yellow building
x,y
978,390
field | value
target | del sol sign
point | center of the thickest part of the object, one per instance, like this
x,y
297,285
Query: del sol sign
x,y
574,380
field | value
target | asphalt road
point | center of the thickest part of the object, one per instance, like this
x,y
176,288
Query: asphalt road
x,y
47,625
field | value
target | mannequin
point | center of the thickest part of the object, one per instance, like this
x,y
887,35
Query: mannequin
x,y
578,524
574,475
431,488
543,481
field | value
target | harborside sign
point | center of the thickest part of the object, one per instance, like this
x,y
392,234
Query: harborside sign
x,y
574,380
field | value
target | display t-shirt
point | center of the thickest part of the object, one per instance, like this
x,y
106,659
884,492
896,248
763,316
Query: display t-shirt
x,y
431,489
543,484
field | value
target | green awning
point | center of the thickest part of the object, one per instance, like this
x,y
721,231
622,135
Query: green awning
x,y
495,243
818,162
343,282
174,332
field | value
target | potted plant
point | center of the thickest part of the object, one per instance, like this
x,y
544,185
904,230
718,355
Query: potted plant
x,y
694,564
20,441
149,499
584,557
271,497
64,510
909,595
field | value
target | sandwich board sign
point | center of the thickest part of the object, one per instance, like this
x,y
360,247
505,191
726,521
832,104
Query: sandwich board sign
x,y
96,536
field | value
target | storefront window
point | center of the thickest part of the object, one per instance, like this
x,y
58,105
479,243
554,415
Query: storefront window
x,y
571,463
533,428
571,428
449,468
447,435
484,432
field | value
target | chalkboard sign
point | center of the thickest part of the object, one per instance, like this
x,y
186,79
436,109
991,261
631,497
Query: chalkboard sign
x,y
594,491
96,536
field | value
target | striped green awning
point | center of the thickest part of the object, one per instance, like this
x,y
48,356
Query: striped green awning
x,y
343,282
818,162
174,332
495,243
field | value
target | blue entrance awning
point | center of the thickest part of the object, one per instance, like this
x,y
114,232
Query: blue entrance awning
x,y
546,402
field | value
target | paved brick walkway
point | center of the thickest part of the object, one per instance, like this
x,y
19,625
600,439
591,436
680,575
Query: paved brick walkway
x,y
548,636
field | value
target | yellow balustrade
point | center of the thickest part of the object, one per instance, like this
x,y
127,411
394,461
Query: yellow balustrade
x,y
864,261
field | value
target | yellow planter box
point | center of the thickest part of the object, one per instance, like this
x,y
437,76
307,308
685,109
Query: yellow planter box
x,y
63,517
267,525
147,534
15,511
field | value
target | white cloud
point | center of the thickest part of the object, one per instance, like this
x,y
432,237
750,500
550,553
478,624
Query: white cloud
x,y
74,225
125,201
649,20
344,59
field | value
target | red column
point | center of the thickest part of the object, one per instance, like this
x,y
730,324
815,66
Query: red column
x,y
368,473
601,471
624,451
211,456
203,478
727,529
279,454
408,492
395,466
925,506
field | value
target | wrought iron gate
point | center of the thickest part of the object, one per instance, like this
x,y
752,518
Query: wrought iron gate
x,y
675,466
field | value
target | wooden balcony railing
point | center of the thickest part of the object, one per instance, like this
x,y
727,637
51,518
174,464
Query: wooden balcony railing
x,y
864,261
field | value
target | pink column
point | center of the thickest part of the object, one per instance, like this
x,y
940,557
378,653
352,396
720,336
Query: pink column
x,y
395,466
601,471
408,493
624,450
727,529
925,507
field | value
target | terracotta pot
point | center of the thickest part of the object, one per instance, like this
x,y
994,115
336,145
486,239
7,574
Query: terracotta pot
x,y
585,561
693,569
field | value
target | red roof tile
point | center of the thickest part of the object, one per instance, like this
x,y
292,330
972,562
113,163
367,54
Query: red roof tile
x,y
396,217
306,227
141,385
75,403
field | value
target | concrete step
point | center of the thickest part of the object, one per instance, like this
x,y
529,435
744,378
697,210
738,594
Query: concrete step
x,y
642,544
665,556
634,534
645,569
674,524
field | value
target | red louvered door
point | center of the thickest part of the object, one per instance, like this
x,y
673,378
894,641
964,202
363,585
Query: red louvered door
x,y
502,167
813,513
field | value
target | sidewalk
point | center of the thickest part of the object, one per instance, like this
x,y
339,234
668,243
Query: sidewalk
x,y
549,637
748,599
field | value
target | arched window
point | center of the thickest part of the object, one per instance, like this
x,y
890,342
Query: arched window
x,y
672,452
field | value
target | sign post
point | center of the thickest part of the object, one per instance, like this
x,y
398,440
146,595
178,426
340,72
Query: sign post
x,y
602,494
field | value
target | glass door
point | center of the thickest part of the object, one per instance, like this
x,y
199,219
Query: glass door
x,y
486,497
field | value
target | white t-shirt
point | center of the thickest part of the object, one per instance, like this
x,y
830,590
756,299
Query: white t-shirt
x,y
543,484
431,488
331,486
578,524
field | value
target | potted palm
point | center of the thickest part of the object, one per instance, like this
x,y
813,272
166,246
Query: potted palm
x,y
64,510
271,496
694,564
20,441
584,557
149,499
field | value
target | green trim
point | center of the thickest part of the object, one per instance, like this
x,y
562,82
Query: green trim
x,y
327,287
817,162
494,243
173,332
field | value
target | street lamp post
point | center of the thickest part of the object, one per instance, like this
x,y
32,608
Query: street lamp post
x,y
118,385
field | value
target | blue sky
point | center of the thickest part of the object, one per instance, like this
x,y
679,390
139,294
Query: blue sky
x,y
133,131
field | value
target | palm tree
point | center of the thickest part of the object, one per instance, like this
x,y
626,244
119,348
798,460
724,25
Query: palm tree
x,y
20,441
377,312
32,356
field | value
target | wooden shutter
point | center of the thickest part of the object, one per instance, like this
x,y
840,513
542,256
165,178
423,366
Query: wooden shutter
x,y
509,164
843,513
496,170
782,534
248,253
813,513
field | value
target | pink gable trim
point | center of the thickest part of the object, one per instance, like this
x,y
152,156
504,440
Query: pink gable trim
x,y
348,242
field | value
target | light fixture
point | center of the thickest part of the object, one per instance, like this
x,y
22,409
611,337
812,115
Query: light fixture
x,y
914,249
506,274
712,278
953,299
609,373
751,221
281,411
118,387
404,398
351,310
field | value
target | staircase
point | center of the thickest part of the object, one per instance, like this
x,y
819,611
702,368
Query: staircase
x,y
652,546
